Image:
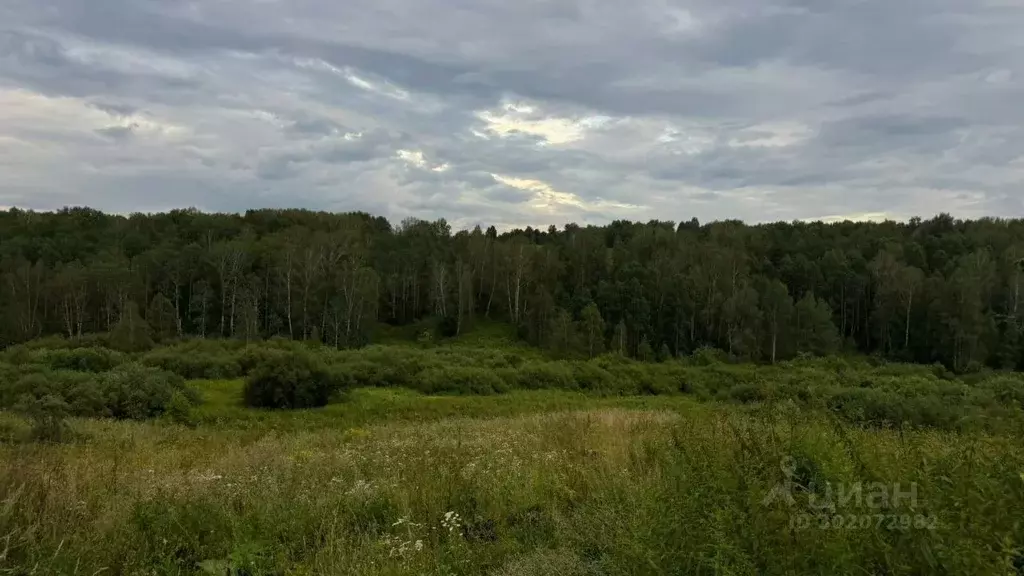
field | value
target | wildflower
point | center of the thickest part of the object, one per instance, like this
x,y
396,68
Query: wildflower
x,y
451,521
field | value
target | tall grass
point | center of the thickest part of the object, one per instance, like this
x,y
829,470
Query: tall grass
x,y
858,390
639,488
489,458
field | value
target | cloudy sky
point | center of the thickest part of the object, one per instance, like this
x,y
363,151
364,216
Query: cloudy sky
x,y
516,112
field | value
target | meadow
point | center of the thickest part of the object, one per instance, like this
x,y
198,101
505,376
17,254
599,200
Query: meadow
x,y
485,457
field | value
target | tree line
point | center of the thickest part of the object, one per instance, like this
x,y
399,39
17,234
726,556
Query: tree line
x,y
938,290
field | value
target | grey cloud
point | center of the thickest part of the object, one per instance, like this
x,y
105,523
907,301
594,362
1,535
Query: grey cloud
x,y
315,127
116,132
508,195
750,109
115,109
376,144
925,134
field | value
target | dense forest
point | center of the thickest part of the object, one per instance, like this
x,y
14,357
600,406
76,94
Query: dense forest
x,y
938,290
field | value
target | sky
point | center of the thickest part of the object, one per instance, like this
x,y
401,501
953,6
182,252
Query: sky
x,y
516,113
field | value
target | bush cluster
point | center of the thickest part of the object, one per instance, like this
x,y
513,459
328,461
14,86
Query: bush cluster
x,y
128,391
291,380
288,374
96,359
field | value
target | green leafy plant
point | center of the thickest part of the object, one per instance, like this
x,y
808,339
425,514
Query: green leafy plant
x,y
290,380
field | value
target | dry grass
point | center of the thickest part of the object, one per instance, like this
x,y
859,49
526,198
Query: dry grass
x,y
602,490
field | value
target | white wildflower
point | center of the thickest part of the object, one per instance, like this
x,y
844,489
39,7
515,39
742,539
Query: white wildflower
x,y
451,521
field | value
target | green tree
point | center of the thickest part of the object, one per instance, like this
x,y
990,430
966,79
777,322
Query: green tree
x,y
644,351
162,317
815,332
778,312
742,318
561,333
664,354
592,328
619,338
132,333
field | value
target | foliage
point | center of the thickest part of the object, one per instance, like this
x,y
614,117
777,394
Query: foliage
x,y
540,375
134,391
533,482
48,415
932,290
132,333
96,359
128,391
869,391
290,380
459,380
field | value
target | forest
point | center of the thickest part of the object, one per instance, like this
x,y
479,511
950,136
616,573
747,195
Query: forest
x,y
303,393
939,290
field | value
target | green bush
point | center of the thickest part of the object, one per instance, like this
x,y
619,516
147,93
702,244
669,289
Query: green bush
x,y
194,362
77,389
291,380
536,376
460,380
179,409
81,391
593,378
81,359
129,391
134,391
747,393
132,333
708,356
48,415
1006,390
871,406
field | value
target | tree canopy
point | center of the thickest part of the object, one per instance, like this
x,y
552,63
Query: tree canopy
x,y
939,290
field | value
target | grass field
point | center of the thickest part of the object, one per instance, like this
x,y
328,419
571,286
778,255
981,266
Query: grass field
x,y
529,482
491,458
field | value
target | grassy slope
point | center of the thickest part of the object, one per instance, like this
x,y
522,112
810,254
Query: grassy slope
x,y
543,482
222,406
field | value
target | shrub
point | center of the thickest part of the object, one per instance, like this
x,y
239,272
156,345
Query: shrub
x,y
18,383
745,393
48,415
80,359
448,327
179,409
636,378
130,391
678,378
1006,390
193,362
361,373
708,356
290,380
460,379
77,389
537,376
589,376
719,377
134,391
81,391
132,333
865,405
942,372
